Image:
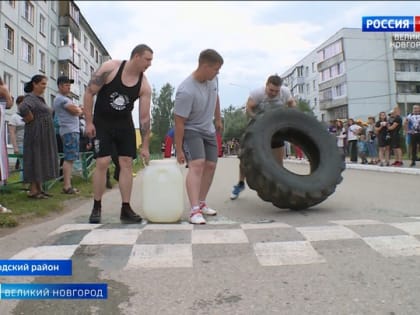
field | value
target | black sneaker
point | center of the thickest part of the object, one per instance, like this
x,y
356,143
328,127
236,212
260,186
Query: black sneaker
x,y
413,164
95,216
129,216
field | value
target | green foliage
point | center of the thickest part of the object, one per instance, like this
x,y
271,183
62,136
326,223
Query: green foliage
x,y
14,197
235,122
303,105
162,116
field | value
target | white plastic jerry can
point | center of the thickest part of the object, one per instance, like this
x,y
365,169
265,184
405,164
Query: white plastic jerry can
x,y
163,191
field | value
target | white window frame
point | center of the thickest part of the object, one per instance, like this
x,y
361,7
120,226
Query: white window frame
x,y
28,12
7,79
53,35
27,51
42,21
52,69
9,44
42,59
85,42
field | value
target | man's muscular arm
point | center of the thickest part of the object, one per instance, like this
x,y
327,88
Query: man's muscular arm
x,y
99,78
144,112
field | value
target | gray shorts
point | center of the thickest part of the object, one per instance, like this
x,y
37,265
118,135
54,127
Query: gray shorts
x,y
199,146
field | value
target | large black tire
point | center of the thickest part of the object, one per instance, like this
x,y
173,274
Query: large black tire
x,y
272,181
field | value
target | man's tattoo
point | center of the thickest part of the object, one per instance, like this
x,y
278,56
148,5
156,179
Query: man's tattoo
x,y
144,129
99,80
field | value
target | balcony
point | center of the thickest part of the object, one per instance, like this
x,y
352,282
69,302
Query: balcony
x,y
330,103
66,53
406,54
67,21
408,98
407,76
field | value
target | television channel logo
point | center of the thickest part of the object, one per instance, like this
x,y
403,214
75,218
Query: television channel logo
x,y
391,24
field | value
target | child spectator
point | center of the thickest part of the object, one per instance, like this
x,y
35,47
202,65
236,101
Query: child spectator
x,y
362,148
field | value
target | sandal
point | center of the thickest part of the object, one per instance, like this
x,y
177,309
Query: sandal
x,y
37,196
46,194
70,191
4,210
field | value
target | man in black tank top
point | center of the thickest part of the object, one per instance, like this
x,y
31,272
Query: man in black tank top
x,y
117,85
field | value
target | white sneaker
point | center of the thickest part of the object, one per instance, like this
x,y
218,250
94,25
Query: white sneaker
x,y
196,217
206,210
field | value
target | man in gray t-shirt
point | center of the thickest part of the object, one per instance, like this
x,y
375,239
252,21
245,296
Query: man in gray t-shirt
x,y
271,96
196,104
67,114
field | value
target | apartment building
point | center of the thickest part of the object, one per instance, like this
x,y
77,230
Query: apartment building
x,y
51,38
358,74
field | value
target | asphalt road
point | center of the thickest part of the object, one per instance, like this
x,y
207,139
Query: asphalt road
x,y
358,252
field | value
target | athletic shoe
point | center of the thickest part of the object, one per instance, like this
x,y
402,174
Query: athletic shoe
x,y
206,210
237,189
413,164
196,217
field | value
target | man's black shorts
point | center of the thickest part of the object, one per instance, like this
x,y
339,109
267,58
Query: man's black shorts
x,y
121,139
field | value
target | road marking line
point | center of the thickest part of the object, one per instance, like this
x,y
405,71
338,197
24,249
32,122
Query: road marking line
x,y
287,253
232,236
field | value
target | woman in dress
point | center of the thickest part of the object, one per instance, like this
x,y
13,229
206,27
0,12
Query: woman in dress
x,y
17,132
40,157
6,102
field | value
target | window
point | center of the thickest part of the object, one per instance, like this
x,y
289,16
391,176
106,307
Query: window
x,y
325,95
92,50
307,88
96,56
306,71
41,61
315,102
339,90
313,67
53,33
27,51
52,69
325,74
300,71
409,88
91,71
29,12
300,88
10,38
85,42
7,79
314,85
74,12
52,98
340,68
42,25
85,66
330,51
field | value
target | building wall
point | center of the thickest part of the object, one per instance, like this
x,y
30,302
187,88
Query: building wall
x,y
369,77
61,57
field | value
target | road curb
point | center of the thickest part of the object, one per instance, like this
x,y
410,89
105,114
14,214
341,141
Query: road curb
x,y
374,168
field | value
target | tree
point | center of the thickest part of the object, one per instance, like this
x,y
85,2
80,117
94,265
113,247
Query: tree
x,y
303,106
162,116
234,121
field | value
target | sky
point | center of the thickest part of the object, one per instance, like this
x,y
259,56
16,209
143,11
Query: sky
x,y
255,38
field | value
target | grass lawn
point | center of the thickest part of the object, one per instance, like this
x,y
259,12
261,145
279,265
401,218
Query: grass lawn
x,y
14,197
